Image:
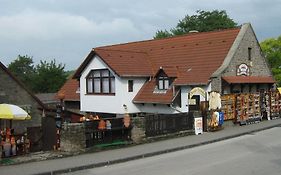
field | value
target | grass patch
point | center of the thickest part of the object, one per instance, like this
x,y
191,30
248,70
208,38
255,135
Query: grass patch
x,y
114,143
6,161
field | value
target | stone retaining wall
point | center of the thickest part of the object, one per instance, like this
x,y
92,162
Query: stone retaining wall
x,y
73,137
138,131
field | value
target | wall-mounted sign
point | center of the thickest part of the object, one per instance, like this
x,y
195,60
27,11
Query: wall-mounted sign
x,y
197,90
192,101
243,69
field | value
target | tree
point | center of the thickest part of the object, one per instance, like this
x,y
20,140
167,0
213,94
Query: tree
x,y
45,77
203,21
272,50
49,77
23,69
163,34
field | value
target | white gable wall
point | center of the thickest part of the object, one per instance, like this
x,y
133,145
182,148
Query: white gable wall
x,y
109,103
121,102
126,97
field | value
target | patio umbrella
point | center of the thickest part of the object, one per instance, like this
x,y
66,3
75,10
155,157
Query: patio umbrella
x,y
13,112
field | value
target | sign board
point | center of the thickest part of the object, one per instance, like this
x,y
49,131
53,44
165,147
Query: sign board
x,y
192,101
197,90
243,69
198,125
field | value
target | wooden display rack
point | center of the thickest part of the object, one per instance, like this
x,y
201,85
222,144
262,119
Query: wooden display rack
x,y
228,106
275,105
248,108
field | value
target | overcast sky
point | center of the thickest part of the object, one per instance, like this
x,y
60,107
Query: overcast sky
x,y
66,30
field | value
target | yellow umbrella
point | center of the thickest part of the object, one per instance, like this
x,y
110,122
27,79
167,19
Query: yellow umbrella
x,y
279,89
13,112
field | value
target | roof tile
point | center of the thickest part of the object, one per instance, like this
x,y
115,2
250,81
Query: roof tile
x,y
248,79
69,89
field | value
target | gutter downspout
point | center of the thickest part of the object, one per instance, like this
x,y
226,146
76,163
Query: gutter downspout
x,y
171,106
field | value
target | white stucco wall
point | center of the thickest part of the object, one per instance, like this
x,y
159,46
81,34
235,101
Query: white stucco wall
x,y
184,95
157,108
115,103
109,103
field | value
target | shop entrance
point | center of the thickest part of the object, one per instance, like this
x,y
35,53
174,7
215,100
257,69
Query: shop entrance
x,y
195,105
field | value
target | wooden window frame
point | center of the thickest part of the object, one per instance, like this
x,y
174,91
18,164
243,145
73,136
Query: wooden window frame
x,y
163,79
97,74
130,85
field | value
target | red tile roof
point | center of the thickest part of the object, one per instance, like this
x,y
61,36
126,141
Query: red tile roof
x,y
170,71
248,79
126,63
191,58
150,94
69,89
201,52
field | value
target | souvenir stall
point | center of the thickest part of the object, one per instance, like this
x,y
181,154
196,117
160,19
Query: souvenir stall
x,y
216,117
12,143
275,104
228,106
248,108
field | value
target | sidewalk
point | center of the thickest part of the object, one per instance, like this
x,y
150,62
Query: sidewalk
x,y
103,158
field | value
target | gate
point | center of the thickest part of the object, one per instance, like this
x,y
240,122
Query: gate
x,y
158,124
49,133
35,136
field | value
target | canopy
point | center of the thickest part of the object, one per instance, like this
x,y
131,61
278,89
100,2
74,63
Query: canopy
x,y
248,79
13,112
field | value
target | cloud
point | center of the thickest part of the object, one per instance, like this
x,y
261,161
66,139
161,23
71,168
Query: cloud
x,y
68,29
64,36
34,25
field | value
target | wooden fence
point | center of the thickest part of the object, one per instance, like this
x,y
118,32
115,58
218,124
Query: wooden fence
x,y
96,136
158,124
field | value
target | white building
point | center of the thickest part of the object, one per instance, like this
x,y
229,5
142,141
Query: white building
x,y
171,75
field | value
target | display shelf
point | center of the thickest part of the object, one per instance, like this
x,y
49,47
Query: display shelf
x,y
275,105
228,106
248,108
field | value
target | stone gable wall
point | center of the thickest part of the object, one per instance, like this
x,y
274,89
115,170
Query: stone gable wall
x,y
11,92
258,64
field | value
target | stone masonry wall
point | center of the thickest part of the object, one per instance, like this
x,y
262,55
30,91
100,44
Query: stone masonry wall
x,y
73,138
216,84
258,64
138,131
11,92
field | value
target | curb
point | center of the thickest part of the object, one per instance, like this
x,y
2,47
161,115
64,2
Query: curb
x,y
111,162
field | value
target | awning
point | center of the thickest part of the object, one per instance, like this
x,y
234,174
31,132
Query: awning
x,y
248,79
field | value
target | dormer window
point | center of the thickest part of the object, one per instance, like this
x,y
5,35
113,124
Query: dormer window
x,y
163,83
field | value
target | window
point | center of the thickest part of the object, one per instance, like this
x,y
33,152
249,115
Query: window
x,y
163,83
100,81
249,53
130,85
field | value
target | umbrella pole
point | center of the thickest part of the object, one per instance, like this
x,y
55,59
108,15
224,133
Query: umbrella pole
x,y
10,124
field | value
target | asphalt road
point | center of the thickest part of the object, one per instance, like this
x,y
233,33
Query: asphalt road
x,y
257,154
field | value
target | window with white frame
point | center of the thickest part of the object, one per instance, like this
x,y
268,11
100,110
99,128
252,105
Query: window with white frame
x,y
100,81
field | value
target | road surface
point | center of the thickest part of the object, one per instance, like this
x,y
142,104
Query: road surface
x,y
258,154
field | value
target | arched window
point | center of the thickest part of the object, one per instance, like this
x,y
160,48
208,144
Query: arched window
x,y
100,81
